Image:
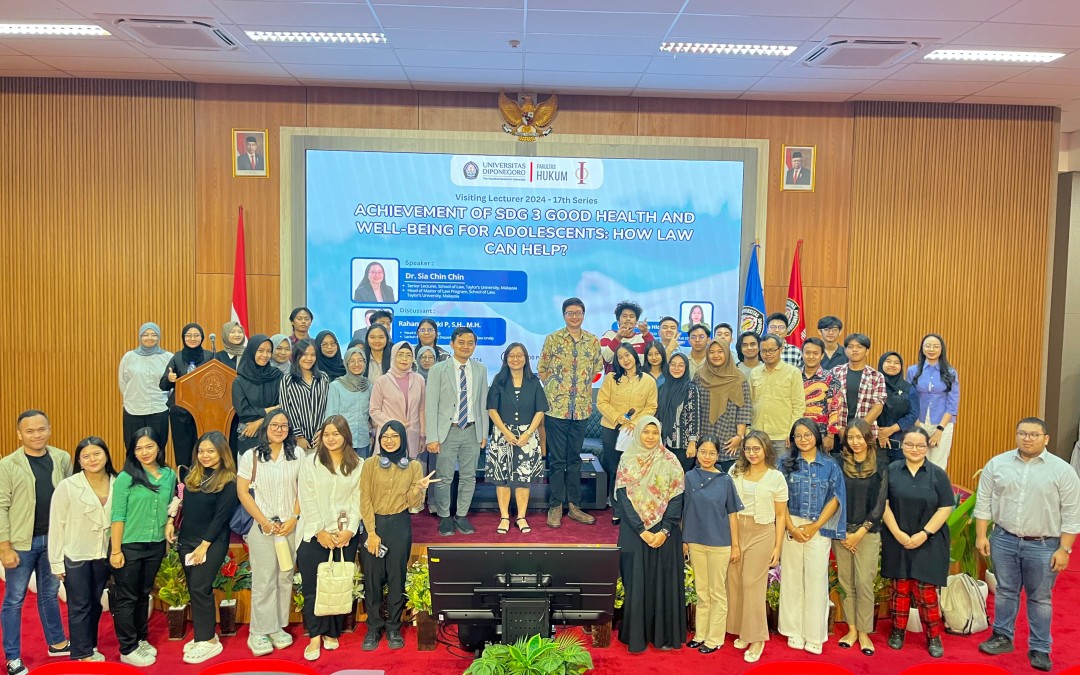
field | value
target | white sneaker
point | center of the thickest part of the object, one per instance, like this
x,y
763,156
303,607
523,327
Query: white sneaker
x,y
260,645
96,656
16,667
189,645
203,651
281,639
813,647
139,657
148,648
796,643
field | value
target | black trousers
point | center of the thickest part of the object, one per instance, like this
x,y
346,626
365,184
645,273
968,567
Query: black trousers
x,y
85,582
130,597
609,458
184,435
159,422
564,441
396,534
308,556
200,581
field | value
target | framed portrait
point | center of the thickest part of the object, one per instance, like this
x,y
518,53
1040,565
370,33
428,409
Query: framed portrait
x,y
249,153
799,170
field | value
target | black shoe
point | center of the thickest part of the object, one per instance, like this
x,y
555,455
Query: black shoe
x,y
394,639
446,526
997,644
371,640
1039,660
934,648
463,525
694,644
615,520
707,650
63,650
896,639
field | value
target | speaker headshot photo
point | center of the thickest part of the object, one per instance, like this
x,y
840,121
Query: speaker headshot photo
x,y
374,280
250,153
799,169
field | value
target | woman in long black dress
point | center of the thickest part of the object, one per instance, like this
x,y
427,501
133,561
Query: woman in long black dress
x,y
255,390
183,362
232,344
649,499
915,545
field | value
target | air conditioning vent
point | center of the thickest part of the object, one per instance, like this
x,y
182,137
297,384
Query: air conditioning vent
x,y
175,32
852,52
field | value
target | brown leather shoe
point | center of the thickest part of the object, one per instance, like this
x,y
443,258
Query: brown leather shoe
x,y
574,513
554,518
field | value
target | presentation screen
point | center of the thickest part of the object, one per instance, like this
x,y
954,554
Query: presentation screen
x,y
496,243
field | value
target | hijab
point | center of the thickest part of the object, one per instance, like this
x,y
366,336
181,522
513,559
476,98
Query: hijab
x,y
194,355
275,342
652,478
228,347
420,369
333,366
149,351
673,393
893,382
352,382
248,369
724,383
394,370
403,450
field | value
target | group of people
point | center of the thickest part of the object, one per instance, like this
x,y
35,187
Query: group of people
x,y
739,453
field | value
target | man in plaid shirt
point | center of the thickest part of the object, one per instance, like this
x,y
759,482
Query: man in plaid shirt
x,y
777,325
862,389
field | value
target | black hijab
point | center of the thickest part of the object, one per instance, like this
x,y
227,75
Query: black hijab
x,y
673,393
331,365
194,355
403,451
895,383
249,370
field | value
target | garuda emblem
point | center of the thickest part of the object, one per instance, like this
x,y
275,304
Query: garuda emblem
x,y
527,121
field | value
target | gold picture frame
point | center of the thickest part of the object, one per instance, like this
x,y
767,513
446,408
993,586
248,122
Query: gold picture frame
x,y
801,178
250,161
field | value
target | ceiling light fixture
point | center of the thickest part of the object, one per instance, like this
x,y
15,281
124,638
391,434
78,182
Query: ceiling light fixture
x,y
715,48
991,56
305,36
53,29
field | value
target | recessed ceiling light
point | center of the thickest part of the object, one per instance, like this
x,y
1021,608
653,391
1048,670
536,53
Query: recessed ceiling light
x,y
306,36
992,56
738,50
65,29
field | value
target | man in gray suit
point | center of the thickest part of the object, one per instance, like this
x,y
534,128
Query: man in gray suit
x,y
457,428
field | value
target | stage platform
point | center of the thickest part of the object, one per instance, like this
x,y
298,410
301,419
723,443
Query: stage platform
x,y
603,533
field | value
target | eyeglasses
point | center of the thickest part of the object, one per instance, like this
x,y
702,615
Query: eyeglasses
x,y
914,446
1030,435
278,426
804,437
699,338
390,437
426,331
750,450
193,335
573,315
769,352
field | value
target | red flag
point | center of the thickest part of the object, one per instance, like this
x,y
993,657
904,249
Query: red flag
x,y
239,286
794,308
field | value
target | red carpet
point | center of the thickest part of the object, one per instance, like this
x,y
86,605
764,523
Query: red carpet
x,y
614,660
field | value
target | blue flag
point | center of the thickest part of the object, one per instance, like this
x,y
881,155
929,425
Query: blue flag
x,y
752,316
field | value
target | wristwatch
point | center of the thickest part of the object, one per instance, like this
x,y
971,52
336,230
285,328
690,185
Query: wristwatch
x,y
665,532
940,428
1067,549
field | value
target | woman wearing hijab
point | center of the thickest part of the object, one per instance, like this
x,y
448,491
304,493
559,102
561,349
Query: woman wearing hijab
x,y
377,352
232,344
145,404
255,390
427,335
373,287
901,409
399,395
183,362
725,395
303,392
649,498
390,486
350,397
328,355
679,409
282,357
425,359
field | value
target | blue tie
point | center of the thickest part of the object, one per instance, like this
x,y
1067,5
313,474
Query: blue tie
x,y
463,400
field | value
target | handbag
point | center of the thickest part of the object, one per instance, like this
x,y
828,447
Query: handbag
x,y
176,506
241,521
334,586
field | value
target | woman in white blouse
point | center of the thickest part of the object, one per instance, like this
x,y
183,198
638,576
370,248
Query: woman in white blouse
x,y
764,494
145,404
329,492
80,523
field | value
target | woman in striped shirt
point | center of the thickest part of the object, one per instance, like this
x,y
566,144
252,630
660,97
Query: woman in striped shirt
x,y
303,393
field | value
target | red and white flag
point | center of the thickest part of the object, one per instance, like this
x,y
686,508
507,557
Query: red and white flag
x,y
239,286
794,308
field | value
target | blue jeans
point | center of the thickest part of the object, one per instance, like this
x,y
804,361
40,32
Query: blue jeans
x,y
1020,564
18,580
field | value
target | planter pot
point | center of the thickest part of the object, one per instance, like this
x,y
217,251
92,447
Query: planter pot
x,y
601,634
349,623
991,581
426,629
691,618
227,617
177,617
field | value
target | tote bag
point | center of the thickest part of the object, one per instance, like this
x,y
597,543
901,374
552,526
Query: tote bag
x,y
334,586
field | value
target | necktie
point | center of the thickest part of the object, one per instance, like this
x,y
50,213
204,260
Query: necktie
x,y
463,399
251,158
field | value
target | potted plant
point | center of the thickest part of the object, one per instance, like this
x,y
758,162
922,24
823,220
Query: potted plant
x,y
418,600
232,576
961,524
297,594
349,625
563,654
772,599
690,593
173,591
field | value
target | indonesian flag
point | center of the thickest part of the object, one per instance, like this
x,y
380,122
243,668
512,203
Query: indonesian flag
x,y
239,287
794,308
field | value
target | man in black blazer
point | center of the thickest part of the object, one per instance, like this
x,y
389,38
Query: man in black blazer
x,y
797,174
251,160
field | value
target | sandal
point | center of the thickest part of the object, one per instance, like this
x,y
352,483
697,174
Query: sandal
x,y
525,529
503,529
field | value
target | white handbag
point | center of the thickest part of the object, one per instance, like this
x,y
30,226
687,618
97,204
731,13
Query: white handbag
x,y
334,586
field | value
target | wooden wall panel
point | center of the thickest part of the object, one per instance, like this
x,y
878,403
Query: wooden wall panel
x,y
96,180
459,111
363,108
953,205
708,118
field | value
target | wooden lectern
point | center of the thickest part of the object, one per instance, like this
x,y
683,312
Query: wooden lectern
x,y
206,393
